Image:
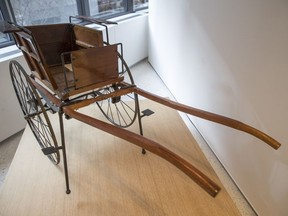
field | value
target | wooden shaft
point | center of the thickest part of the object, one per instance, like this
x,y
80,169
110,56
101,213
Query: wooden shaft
x,y
211,117
152,146
86,102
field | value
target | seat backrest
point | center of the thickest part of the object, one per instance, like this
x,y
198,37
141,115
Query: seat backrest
x,y
52,40
86,37
94,65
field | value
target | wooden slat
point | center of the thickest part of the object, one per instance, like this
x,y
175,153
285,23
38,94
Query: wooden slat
x,y
83,44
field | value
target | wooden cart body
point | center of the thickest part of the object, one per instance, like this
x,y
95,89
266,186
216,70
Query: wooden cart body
x,y
68,58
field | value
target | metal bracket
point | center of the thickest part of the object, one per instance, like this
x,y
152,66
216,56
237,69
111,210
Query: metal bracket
x,y
50,150
146,112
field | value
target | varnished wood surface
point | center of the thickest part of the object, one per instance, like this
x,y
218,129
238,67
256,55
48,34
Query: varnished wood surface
x,y
110,176
87,37
95,65
223,120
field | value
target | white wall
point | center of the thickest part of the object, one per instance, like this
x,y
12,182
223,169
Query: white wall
x,y
133,33
231,58
11,116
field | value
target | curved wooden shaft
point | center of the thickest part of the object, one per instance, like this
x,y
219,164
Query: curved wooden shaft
x,y
152,146
211,117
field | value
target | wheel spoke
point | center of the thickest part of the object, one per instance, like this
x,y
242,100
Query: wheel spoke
x,y
33,108
119,111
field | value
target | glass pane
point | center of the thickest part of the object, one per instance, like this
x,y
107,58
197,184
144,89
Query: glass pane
x,y
3,37
140,4
33,12
106,7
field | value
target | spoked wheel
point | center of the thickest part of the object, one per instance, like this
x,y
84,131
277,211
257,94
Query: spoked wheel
x,y
34,111
120,111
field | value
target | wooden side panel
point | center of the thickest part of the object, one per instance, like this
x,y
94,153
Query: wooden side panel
x,y
87,37
94,65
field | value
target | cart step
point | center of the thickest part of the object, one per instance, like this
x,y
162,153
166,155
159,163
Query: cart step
x,y
147,112
49,150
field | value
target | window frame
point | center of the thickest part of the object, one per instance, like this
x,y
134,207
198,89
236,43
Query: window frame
x,y
6,16
82,8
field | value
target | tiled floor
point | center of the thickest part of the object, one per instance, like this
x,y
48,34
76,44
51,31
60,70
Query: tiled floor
x,y
145,78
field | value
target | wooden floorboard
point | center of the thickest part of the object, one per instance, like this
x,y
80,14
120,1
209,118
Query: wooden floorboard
x,y
110,176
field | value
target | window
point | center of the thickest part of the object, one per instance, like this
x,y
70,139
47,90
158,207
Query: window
x,y
140,4
106,8
3,37
35,12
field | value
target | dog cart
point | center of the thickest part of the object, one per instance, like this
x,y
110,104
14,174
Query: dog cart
x,y
73,66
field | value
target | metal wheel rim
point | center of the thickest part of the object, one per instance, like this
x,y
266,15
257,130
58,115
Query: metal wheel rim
x,y
33,110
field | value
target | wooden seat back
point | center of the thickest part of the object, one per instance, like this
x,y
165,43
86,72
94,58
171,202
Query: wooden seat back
x,y
86,37
94,65
52,40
